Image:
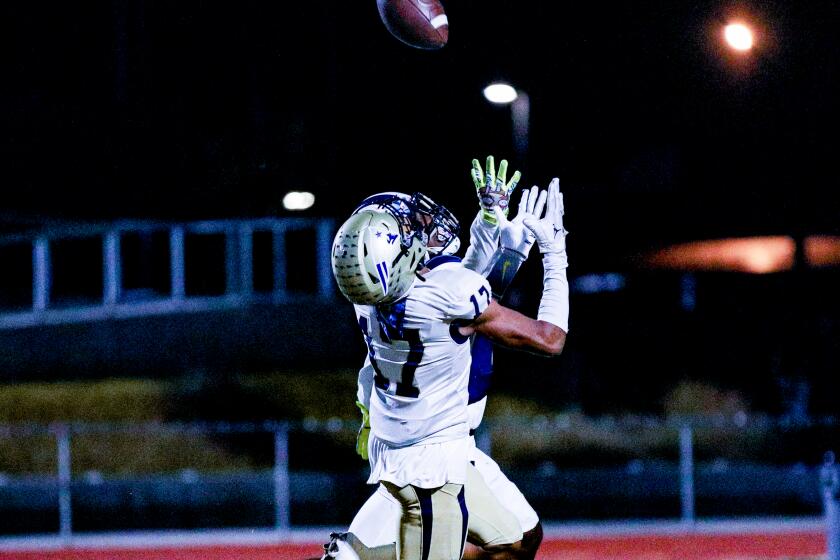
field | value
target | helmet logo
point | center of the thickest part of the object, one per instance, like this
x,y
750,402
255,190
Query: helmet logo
x,y
382,269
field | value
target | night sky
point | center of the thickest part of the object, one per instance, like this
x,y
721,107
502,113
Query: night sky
x,y
185,110
194,110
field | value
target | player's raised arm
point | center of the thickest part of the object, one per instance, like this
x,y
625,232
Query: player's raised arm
x,y
493,192
546,334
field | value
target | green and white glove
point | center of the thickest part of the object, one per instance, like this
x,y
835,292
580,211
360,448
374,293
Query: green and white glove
x,y
364,432
493,192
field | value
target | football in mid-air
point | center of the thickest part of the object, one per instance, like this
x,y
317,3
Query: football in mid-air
x,y
419,23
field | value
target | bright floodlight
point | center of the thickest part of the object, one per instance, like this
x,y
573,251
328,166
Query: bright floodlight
x,y
296,200
739,36
500,93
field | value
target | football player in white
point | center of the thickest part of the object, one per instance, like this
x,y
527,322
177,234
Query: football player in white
x,y
416,314
372,534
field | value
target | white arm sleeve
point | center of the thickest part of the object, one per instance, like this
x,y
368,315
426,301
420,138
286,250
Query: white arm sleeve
x,y
365,383
554,305
484,240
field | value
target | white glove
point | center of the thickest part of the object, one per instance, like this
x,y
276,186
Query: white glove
x,y
551,237
514,234
549,231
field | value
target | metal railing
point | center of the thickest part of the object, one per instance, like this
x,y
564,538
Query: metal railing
x,y
633,481
65,432
238,256
830,483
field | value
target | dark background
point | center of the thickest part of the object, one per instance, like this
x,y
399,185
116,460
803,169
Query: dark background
x,y
212,109
194,110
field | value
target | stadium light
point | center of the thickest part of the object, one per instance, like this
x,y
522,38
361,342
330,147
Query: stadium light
x,y
297,200
500,93
755,255
738,36
822,250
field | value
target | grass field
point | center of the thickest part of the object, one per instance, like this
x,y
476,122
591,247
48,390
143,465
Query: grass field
x,y
529,434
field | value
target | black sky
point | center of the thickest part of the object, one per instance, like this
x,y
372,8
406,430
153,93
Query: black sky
x,y
199,109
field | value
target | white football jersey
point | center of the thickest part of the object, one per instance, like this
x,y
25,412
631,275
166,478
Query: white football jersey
x,y
421,362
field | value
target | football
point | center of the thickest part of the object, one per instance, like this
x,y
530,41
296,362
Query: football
x,y
419,23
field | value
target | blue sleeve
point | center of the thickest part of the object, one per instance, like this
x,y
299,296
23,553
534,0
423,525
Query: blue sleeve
x,y
481,368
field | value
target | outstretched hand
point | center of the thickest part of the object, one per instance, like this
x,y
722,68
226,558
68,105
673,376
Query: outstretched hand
x,y
549,230
515,235
493,192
